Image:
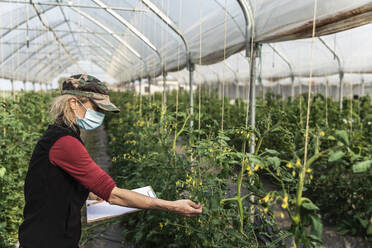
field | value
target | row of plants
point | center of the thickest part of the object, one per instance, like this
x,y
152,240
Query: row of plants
x,y
23,119
154,145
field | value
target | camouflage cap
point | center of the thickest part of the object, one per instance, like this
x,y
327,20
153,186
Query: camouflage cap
x,y
89,86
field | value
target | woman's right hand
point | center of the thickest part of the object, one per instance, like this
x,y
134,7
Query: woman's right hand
x,y
187,208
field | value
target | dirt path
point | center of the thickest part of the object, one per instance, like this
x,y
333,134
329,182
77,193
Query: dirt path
x,y
104,234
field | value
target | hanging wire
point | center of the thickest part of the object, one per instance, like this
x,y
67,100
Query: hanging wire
x,y
326,107
200,63
27,41
178,64
351,108
2,55
224,68
309,88
27,38
140,22
162,69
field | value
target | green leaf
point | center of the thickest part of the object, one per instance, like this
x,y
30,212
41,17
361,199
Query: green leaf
x,y
309,206
334,156
369,230
316,226
274,161
342,136
363,166
2,172
272,152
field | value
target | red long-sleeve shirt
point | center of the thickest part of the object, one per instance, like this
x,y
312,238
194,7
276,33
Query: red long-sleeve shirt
x,y
70,154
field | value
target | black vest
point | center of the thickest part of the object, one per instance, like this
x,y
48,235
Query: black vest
x,y
53,198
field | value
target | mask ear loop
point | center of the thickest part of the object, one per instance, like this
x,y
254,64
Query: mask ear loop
x,y
81,104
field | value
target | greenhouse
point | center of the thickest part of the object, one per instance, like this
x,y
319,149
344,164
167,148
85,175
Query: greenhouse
x,y
258,110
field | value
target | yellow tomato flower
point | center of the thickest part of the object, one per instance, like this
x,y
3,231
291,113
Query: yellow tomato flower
x,y
210,150
298,163
322,133
282,215
256,168
309,170
265,210
370,220
289,165
285,202
294,173
250,173
266,198
311,177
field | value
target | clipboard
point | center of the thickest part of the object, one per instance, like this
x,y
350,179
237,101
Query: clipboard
x,y
102,210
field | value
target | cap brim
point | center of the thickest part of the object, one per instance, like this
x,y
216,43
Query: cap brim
x,y
103,102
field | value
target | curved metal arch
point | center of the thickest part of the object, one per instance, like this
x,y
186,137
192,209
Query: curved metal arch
x,y
24,21
127,24
99,36
25,44
52,62
46,25
340,71
170,24
60,67
134,30
69,26
138,56
232,70
108,30
107,52
275,50
249,22
47,44
47,74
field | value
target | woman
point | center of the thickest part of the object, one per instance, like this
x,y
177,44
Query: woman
x,y
61,173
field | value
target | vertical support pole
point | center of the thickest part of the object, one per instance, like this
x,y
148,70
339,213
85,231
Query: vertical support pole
x,y
191,68
149,86
236,90
252,95
13,93
164,91
33,86
139,87
326,99
341,89
140,94
219,89
24,85
292,87
362,88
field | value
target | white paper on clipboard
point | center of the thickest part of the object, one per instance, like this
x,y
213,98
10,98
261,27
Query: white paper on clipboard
x,y
103,210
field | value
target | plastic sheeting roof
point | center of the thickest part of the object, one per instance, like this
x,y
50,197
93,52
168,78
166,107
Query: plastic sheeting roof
x,y
130,39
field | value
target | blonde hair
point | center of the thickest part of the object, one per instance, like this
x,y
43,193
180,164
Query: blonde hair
x,y
61,112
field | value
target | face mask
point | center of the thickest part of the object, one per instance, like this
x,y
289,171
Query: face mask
x,y
91,120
